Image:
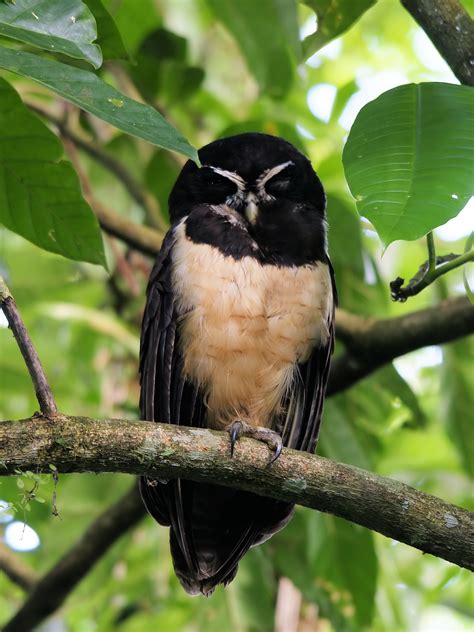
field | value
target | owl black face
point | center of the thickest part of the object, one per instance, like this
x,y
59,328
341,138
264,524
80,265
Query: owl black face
x,y
268,183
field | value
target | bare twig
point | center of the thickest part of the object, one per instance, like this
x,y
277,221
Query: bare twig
x,y
49,592
428,272
450,28
123,175
16,569
124,268
42,389
145,239
164,451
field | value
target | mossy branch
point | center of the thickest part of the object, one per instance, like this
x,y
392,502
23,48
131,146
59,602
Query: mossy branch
x,y
80,444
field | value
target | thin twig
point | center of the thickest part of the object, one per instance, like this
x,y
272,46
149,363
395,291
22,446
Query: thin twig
x,y
427,274
147,240
43,391
123,175
124,268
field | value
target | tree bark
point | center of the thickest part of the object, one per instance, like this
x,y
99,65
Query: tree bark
x,y
80,444
450,28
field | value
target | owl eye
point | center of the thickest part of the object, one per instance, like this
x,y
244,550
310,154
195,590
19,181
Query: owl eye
x,y
212,187
279,184
210,178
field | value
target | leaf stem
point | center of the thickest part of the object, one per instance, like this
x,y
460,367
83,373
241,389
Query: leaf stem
x,y
431,253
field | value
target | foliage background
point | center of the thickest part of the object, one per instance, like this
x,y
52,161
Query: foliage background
x,y
408,421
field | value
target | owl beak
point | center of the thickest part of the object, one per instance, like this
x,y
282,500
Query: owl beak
x,y
251,208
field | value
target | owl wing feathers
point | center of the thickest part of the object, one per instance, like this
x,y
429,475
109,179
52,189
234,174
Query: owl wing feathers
x,y
299,425
212,527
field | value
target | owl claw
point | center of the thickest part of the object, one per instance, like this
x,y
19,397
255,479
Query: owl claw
x,y
235,430
273,440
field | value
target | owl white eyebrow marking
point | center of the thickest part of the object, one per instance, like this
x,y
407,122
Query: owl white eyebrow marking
x,y
230,175
270,173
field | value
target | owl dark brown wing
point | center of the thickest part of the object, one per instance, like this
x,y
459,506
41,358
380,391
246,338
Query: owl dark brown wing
x,y
300,423
166,396
211,527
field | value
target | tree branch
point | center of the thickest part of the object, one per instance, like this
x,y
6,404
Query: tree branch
x,y
48,593
371,343
79,444
148,240
16,569
43,392
448,25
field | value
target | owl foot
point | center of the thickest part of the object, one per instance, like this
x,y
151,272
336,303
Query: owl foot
x,y
239,429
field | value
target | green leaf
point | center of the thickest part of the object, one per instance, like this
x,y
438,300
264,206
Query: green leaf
x,y
90,93
457,395
59,26
340,440
253,592
162,69
334,17
160,175
109,37
333,563
267,36
40,196
409,158
345,241
345,556
390,379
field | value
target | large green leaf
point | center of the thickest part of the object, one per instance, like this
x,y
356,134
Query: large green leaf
x,y
334,17
59,26
409,158
90,93
40,196
109,37
267,35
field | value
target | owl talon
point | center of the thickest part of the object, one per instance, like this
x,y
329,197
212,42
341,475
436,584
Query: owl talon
x,y
273,440
277,450
235,430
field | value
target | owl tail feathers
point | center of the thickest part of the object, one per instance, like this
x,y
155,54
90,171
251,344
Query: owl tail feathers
x,y
192,580
211,528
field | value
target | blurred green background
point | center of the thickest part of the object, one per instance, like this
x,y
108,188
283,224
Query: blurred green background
x,y
409,421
